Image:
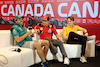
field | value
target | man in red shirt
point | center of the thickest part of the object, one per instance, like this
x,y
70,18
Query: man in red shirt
x,y
46,30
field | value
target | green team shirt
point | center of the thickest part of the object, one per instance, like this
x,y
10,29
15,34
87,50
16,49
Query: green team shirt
x,y
18,30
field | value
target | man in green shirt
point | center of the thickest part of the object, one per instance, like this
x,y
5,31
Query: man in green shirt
x,y
23,39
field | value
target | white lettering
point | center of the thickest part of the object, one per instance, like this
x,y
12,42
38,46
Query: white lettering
x,y
59,10
74,12
11,10
41,10
18,8
2,10
87,4
48,6
29,10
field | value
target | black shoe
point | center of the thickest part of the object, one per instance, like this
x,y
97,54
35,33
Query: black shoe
x,y
54,61
46,64
42,64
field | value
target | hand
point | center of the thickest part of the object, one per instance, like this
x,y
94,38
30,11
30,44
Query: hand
x,y
86,34
29,32
57,36
33,31
36,31
32,35
76,38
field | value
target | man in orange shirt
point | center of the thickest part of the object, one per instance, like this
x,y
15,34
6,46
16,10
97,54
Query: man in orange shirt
x,y
70,35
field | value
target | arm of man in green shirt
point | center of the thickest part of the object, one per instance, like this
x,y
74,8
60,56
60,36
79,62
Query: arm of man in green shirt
x,y
21,38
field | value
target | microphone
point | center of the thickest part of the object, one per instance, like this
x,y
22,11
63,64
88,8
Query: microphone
x,y
16,49
39,31
30,27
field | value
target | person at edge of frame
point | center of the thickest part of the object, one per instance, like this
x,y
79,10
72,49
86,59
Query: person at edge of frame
x,y
23,39
70,36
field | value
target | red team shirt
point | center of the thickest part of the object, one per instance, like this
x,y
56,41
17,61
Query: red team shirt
x,y
46,31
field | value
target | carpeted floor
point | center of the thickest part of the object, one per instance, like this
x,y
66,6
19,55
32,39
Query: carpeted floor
x,y
92,62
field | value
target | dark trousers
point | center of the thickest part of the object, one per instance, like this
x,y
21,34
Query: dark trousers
x,y
79,40
55,42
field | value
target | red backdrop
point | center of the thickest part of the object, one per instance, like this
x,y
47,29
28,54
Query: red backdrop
x,y
86,12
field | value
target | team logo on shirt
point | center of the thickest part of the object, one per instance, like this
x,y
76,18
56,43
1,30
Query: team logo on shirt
x,y
14,31
49,31
50,26
41,28
20,28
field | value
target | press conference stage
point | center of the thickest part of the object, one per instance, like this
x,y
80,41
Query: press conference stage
x,y
92,62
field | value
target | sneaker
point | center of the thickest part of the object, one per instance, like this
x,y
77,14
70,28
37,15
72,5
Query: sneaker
x,y
66,61
83,59
42,64
46,64
59,57
91,37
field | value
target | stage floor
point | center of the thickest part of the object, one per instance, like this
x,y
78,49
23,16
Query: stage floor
x,y
92,62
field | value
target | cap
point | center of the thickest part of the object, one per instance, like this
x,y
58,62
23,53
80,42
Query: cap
x,y
45,17
17,17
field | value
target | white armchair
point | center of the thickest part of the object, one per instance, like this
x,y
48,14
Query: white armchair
x,y
74,50
15,59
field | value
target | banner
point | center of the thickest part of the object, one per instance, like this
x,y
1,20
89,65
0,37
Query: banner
x,y
85,12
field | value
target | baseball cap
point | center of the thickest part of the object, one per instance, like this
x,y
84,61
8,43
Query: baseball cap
x,y
17,17
45,17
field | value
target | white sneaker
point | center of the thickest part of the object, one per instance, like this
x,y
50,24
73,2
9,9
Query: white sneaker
x,y
83,59
59,57
91,37
66,61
